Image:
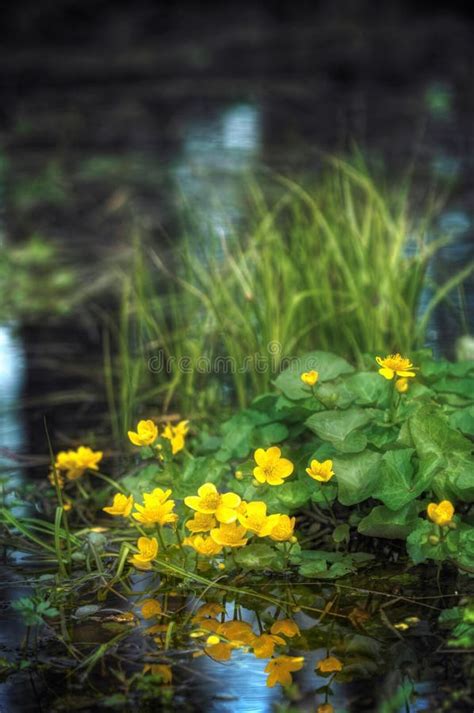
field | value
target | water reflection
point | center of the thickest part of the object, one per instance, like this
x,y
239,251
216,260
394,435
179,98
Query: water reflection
x,y
12,373
216,152
238,686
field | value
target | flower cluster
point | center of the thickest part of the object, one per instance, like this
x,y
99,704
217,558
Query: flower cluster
x,y
221,638
147,434
396,365
230,521
157,509
73,464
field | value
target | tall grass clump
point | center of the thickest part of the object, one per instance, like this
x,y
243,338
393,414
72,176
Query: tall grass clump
x,y
338,265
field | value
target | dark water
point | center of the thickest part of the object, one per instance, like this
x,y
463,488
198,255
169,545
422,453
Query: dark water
x,y
111,117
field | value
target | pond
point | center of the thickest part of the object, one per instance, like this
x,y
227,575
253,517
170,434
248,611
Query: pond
x,y
120,132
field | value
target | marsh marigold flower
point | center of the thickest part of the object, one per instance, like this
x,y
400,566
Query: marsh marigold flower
x,y
161,670
205,546
145,435
320,471
287,627
75,463
221,651
151,608
147,551
271,468
239,633
210,609
394,364
122,505
264,645
441,513
401,385
229,535
201,522
325,708
176,434
283,530
255,518
309,378
280,669
209,502
330,664
157,510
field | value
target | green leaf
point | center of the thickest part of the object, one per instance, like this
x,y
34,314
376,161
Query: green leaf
x,y
194,473
296,493
258,557
238,432
465,554
334,394
463,420
431,369
389,524
341,533
380,436
399,482
145,479
463,387
431,433
419,546
357,476
369,388
328,365
330,565
269,435
337,427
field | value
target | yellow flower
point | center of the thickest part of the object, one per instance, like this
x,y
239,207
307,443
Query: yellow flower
x,y
158,669
283,530
287,627
325,708
145,435
122,505
205,546
271,467
211,609
157,509
256,520
209,502
441,514
147,551
176,434
229,535
264,645
401,385
239,633
75,463
309,377
201,522
394,364
329,665
151,608
320,471
219,652
280,668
